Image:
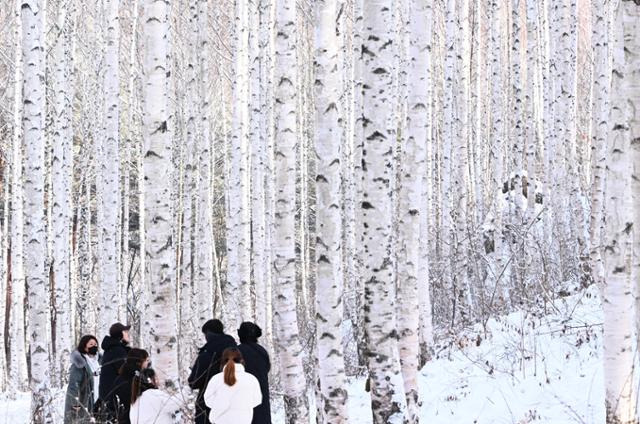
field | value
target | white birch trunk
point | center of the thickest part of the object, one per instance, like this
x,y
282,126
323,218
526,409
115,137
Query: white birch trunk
x,y
204,277
424,282
287,337
551,166
438,46
110,171
569,123
142,216
258,142
449,137
188,320
96,196
621,364
601,10
532,111
564,127
33,89
631,23
268,130
518,134
350,177
86,320
387,391
127,261
62,165
356,189
463,287
303,288
160,318
329,273
239,220
478,52
498,136
411,204
4,270
18,377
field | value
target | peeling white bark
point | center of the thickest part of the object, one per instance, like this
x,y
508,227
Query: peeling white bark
x,y
160,317
329,272
33,178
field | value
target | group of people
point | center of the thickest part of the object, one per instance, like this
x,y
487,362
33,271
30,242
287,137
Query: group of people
x,y
118,385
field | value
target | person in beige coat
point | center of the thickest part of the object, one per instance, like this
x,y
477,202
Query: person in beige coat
x,y
233,393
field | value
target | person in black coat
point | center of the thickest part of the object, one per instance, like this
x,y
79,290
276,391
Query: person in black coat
x,y
137,360
257,363
208,364
115,353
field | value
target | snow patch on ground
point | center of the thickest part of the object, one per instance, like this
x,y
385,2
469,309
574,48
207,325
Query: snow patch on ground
x,y
530,369
16,407
14,411
522,369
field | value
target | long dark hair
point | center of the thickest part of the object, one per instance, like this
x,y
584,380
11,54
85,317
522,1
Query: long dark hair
x,y
143,380
84,341
133,363
230,357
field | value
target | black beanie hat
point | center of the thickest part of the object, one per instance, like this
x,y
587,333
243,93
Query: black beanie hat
x,y
249,332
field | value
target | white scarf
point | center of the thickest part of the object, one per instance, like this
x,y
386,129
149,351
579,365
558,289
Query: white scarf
x,y
92,360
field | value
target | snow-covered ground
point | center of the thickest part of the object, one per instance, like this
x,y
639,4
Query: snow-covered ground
x,y
545,370
523,369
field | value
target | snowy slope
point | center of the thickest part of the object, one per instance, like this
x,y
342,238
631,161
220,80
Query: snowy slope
x,y
528,370
525,370
545,370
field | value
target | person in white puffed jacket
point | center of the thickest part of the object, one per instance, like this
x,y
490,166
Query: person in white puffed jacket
x,y
150,405
233,393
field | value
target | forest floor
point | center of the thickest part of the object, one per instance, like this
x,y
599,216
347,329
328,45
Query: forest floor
x,y
522,369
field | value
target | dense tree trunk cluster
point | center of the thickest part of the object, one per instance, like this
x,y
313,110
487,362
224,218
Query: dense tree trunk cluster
x,y
361,178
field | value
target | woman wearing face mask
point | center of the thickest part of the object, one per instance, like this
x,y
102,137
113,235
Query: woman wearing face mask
x,y
84,375
149,405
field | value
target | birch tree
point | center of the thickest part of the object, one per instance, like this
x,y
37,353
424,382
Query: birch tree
x,y
238,219
190,199
110,169
132,118
329,272
621,365
498,136
552,168
160,317
447,151
85,296
600,122
569,46
18,376
33,89
61,186
411,205
258,143
204,227
287,334
532,108
387,392
518,134
631,23
267,129
4,271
